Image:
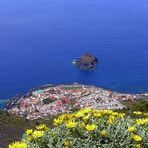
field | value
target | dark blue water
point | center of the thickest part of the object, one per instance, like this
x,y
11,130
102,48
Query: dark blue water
x,y
40,38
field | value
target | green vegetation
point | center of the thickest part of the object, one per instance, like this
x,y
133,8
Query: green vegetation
x,y
90,129
139,105
12,127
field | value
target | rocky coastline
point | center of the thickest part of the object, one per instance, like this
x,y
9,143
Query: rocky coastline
x,y
52,100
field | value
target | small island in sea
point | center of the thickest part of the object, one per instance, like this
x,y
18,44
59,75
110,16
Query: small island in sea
x,y
86,62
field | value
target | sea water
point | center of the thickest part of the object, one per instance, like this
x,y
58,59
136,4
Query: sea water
x,y
40,38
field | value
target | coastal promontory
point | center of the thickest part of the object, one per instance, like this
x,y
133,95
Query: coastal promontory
x,y
54,100
86,62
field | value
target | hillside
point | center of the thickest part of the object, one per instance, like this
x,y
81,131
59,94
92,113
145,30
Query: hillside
x,y
12,127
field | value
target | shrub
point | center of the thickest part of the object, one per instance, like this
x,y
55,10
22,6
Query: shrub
x,y
140,106
90,128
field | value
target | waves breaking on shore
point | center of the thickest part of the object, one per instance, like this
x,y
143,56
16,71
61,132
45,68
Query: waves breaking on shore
x,y
3,103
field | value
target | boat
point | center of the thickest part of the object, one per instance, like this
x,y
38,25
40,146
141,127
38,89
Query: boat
x,y
74,62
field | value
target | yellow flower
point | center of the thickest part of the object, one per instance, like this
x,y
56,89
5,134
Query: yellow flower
x,y
111,119
136,138
138,146
64,116
121,115
90,127
131,129
58,121
115,114
18,145
29,131
79,114
82,125
103,133
67,143
142,121
137,112
86,110
42,127
86,117
97,114
107,112
30,138
71,124
37,134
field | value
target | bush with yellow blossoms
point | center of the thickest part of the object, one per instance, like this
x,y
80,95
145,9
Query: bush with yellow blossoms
x,y
90,128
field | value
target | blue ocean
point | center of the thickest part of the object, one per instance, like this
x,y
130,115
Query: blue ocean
x,y
40,38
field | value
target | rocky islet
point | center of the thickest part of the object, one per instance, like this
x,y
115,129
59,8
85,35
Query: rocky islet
x,y
86,62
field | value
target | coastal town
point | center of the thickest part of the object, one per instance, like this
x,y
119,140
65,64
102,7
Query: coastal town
x,y
51,100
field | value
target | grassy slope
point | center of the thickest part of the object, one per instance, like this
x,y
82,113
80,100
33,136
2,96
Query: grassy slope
x,y
12,127
140,105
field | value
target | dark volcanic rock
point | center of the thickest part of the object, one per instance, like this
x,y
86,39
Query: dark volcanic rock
x,y
86,62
